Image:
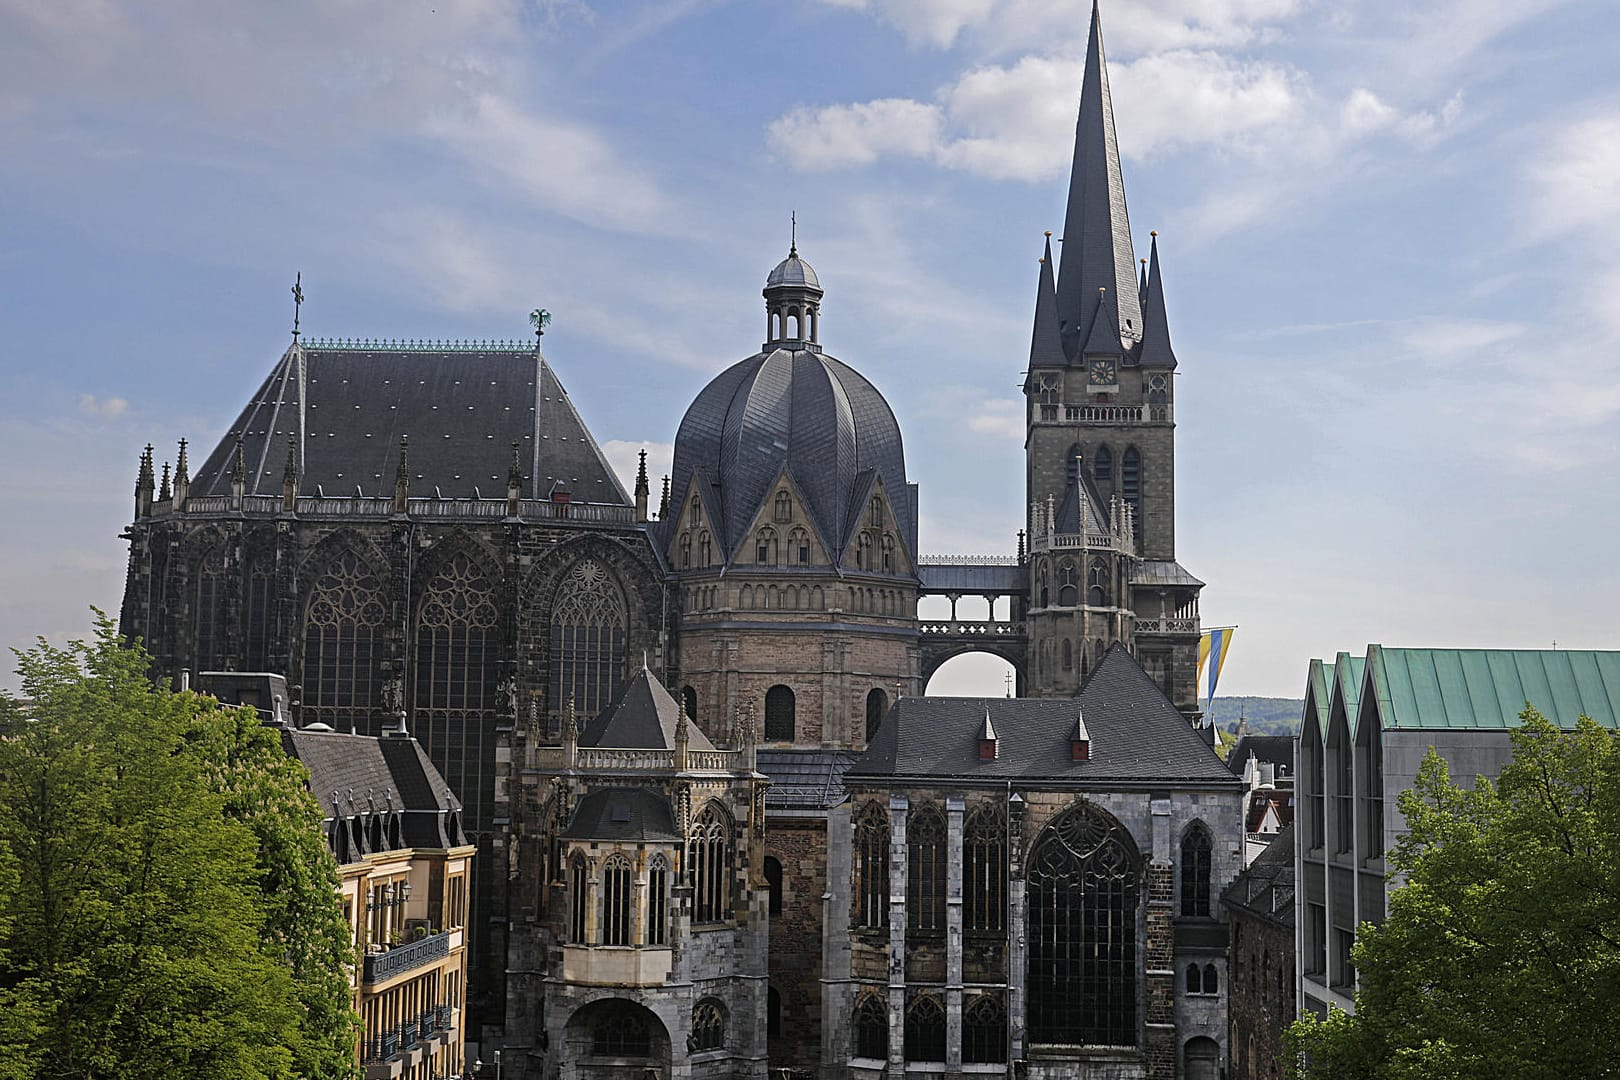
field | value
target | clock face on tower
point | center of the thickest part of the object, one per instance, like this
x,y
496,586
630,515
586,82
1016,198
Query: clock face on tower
x,y
1102,372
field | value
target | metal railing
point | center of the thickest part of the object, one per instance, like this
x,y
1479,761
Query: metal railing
x,y
402,958
956,628
380,506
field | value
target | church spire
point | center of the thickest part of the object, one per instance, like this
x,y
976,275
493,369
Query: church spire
x,y
1097,251
1046,345
1156,351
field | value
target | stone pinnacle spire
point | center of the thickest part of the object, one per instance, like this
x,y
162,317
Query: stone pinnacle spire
x,y
1097,252
1046,345
1156,351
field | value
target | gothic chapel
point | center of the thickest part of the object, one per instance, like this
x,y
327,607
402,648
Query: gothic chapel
x,y
721,831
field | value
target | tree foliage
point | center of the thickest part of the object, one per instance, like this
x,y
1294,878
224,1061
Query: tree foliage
x,y
167,907
1500,956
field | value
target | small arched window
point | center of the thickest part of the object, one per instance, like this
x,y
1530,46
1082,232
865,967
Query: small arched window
x,y
1068,655
773,1013
689,703
984,1031
765,547
1195,979
863,551
1195,870
871,868
579,888
925,871
779,714
773,882
925,1030
1212,981
871,1027
695,518
799,547
1097,584
710,859
783,511
705,549
708,1026
657,901
616,900
877,704
1068,586
874,515
888,554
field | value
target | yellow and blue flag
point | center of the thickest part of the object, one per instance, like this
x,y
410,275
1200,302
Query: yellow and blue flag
x,y
1212,650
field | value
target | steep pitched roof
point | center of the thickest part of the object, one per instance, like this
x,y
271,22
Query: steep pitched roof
x,y
642,717
1046,343
1068,511
346,410
1486,689
384,770
1136,735
623,813
1097,251
1266,887
1276,749
1156,351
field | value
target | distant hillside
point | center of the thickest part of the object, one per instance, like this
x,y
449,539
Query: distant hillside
x,y
1266,715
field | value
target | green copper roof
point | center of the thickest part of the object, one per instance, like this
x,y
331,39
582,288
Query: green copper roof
x,y
1485,689
1318,698
1347,674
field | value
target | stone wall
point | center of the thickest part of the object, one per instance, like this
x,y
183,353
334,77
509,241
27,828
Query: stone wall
x,y
1260,995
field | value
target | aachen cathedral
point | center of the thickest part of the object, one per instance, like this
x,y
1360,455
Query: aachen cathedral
x,y
720,829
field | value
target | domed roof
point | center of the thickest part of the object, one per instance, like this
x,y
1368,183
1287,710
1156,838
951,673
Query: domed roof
x,y
802,409
793,272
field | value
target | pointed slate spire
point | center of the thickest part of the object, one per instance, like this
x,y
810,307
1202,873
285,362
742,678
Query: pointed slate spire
x,y
1046,346
1097,252
663,502
1156,351
1104,339
642,489
164,494
1141,285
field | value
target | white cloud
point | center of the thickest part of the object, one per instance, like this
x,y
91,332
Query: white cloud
x,y
625,457
1002,418
1365,113
839,136
1443,340
1579,177
105,408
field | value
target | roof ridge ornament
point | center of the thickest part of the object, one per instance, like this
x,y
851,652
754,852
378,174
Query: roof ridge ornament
x,y
298,301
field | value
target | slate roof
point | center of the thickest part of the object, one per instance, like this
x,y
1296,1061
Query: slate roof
x,y
1277,749
804,779
642,717
1156,351
970,577
1045,342
1068,511
623,813
462,409
1472,689
1266,887
1136,735
793,272
1163,572
803,410
378,771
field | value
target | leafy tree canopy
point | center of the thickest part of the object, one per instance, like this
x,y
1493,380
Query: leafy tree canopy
x,y
1500,956
167,906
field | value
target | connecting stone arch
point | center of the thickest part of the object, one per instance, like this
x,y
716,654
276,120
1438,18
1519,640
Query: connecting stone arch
x,y
612,1037
935,654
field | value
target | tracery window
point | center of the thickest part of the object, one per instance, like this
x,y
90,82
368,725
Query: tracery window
x,y
622,1032
925,1030
616,900
984,1031
783,511
208,611
1068,587
710,859
871,867
780,710
925,871
1102,468
888,554
588,626
708,1026
1097,584
456,679
1158,390
984,870
863,551
877,705
1082,932
1195,870
261,620
343,633
765,547
657,901
799,547
1130,484
871,1027
705,549
579,890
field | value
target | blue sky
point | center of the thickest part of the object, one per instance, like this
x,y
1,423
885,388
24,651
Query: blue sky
x,y
1391,238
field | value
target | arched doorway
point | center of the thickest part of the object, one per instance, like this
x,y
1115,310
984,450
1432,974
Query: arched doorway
x,y
613,1038
972,674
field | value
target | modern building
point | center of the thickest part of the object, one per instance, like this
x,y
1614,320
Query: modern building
x,y
1261,995
1368,723
1266,764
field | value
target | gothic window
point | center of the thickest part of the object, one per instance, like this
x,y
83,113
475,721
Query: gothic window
x,y
773,882
579,889
779,714
863,551
888,554
925,1030
784,507
871,867
874,515
708,1026
343,634
877,704
587,639
984,1031
1212,981
616,897
689,703
710,859
1195,869
686,550
1068,655
657,901
455,684
871,1027
621,1031
925,871
208,613
705,549
696,517
773,1013
984,871
765,547
1068,586
1097,584
799,547
1102,468
261,613
1195,979
1130,484
1158,389
1082,932
1049,390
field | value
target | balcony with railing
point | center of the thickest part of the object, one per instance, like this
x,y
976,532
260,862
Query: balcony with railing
x,y
388,1053
382,966
382,506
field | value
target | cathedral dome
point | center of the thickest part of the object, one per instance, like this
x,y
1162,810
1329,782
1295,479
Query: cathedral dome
x,y
791,407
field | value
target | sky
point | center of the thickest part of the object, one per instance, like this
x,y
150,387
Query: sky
x,y
1390,236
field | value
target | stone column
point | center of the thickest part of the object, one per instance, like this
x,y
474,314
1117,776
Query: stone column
x,y
899,807
954,808
1017,916
1160,1040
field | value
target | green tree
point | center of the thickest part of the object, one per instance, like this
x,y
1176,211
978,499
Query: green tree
x,y
1500,956
158,914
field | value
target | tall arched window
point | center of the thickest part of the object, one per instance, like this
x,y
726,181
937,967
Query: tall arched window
x,y
616,896
874,515
1097,584
773,1013
1068,655
1082,932
783,511
984,870
799,547
863,551
1068,586
689,703
925,871
343,635
705,549
708,1026
984,1031
621,1031
657,901
765,547
877,705
578,899
1212,981
1195,870
888,554
773,882
925,1030
588,626
779,714
455,684
1195,979
1102,468
1130,484
695,518
208,611
871,1027
871,867
686,551
710,859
